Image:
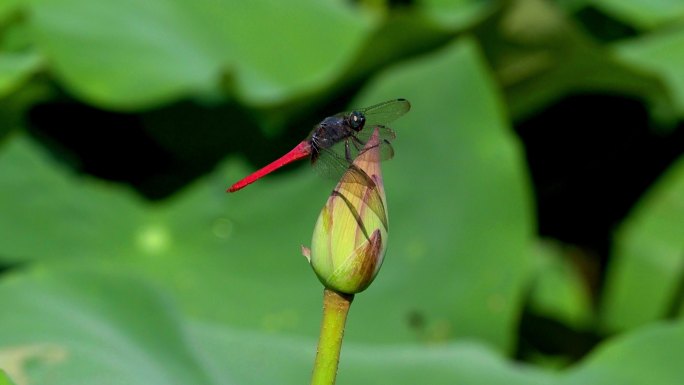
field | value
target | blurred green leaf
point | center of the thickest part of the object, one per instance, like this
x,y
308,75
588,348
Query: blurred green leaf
x,y
558,289
661,53
15,69
647,356
52,214
7,8
82,327
461,362
643,14
456,14
4,378
75,326
405,34
647,268
127,54
540,56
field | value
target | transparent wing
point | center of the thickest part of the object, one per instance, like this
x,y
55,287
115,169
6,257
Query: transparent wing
x,y
386,112
384,133
331,163
386,149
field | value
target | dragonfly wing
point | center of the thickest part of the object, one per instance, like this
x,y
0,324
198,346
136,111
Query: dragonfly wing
x,y
385,112
331,163
384,133
386,149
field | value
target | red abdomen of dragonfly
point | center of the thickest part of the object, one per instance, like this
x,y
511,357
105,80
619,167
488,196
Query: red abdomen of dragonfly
x,y
302,150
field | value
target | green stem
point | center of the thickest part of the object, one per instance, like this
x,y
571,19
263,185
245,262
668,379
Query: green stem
x,y
335,309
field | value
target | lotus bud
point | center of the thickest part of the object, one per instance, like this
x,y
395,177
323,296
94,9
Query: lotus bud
x,y
350,236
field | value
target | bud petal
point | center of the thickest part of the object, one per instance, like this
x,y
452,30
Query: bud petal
x,y
350,236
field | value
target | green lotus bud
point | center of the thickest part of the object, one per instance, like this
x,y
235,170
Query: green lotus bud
x,y
350,236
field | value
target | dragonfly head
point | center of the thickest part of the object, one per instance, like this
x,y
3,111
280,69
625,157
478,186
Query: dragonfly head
x,y
356,120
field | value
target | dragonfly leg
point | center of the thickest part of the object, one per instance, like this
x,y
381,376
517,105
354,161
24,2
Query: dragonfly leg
x,y
358,144
347,151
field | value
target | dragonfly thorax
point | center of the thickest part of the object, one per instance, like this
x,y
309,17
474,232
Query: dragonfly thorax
x,y
336,128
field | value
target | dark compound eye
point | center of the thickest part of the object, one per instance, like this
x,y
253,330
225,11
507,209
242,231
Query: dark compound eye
x,y
356,120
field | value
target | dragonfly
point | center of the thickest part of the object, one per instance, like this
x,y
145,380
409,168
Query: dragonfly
x,y
337,140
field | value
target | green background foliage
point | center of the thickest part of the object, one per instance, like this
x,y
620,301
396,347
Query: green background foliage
x,y
106,282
